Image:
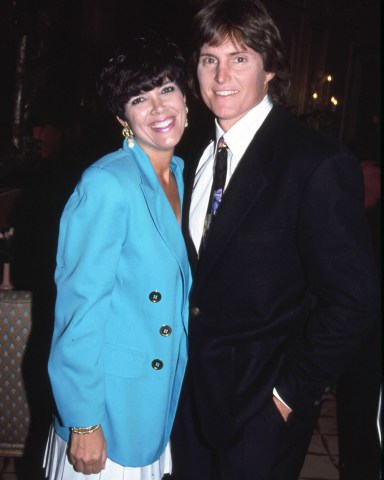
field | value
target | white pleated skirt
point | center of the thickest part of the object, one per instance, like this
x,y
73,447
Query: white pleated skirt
x,y
57,466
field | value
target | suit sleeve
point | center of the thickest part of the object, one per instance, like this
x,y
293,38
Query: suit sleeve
x,y
337,256
92,230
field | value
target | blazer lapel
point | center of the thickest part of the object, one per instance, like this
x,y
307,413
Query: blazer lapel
x,y
159,208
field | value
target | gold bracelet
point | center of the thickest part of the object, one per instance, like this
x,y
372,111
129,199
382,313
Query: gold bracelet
x,y
84,430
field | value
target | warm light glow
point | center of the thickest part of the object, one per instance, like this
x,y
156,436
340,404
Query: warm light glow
x,y
334,101
329,78
314,96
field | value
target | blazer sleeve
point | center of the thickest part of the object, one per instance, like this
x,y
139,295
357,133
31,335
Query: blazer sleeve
x,y
342,277
92,230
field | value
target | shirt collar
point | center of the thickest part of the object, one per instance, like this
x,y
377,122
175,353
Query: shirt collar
x,y
239,136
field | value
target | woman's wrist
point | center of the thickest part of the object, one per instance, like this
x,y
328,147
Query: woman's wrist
x,y
85,430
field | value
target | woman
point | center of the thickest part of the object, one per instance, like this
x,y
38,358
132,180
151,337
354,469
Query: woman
x,y
119,344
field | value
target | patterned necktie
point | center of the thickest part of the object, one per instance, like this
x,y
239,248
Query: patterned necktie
x,y
219,176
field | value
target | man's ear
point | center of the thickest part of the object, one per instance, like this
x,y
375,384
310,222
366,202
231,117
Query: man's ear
x,y
269,76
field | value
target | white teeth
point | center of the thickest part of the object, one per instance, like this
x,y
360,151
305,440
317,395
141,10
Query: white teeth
x,y
163,124
225,93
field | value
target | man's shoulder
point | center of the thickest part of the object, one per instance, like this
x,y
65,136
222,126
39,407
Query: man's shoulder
x,y
293,133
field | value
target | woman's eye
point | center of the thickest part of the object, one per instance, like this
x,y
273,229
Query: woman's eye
x,y
137,100
168,89
240,59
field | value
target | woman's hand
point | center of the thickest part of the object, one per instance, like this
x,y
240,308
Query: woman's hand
x,y
88,453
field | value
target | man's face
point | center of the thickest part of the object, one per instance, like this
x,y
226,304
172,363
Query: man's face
x,y
232,80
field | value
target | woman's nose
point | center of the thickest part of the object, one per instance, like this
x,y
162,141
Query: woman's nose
x,y
157,104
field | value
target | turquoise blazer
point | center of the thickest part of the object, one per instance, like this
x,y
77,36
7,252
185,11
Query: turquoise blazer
x,y
119,346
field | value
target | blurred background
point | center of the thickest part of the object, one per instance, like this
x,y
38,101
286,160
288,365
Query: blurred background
x,y
51,50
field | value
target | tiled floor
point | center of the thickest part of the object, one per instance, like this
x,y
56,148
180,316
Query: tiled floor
x,y
320,463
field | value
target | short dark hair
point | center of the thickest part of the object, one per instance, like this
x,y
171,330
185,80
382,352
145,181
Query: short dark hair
x,y
146,63
247,22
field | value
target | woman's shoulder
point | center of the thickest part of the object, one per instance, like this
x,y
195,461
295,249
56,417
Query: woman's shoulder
x,y
118,164
119,160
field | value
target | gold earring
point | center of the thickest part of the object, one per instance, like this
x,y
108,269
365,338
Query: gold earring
x,y
128,135
186,116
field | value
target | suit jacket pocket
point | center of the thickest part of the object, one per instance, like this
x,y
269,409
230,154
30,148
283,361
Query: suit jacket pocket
x,y
254,367
123,362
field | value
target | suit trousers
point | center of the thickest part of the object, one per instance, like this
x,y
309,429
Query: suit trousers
x,y
268,449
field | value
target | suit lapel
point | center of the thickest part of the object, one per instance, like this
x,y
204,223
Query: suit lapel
x,y
244,188
189,179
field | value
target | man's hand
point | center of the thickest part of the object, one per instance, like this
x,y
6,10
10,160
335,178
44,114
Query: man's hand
x,y
283,409
88,453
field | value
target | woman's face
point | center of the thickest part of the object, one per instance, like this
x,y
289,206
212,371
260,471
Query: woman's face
x,y
157,118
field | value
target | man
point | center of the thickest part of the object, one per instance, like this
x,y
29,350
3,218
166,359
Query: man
x,y
284,278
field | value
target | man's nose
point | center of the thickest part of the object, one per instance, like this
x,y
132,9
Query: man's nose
x,y
222,73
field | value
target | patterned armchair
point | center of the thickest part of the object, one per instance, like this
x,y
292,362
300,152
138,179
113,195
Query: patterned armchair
x,y
15,327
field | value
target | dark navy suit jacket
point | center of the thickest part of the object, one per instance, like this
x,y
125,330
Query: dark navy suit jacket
x,y
287,286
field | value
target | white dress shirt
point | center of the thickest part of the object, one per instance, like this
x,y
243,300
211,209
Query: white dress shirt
x,y
238,137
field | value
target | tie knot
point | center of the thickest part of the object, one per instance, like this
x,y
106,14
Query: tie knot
x,y
221,143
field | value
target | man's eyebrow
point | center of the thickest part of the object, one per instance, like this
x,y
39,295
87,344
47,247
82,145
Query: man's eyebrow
x,y
237,52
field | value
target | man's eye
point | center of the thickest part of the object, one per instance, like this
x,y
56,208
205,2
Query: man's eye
x,y
240,59
208,60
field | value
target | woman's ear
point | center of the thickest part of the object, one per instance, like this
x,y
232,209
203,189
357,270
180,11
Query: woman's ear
x,y
121,121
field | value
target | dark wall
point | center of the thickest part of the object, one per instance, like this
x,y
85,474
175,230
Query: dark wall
x,y
68,41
